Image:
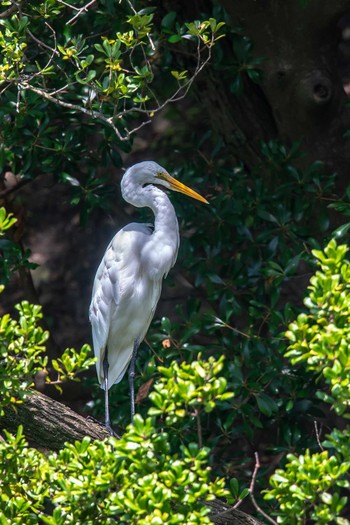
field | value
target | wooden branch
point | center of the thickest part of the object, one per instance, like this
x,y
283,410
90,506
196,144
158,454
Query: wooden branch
x,y
12,9
49,424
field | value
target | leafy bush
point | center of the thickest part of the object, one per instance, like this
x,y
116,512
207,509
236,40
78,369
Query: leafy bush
x,y
137,479
13,257
145,477
321,339
311,486
22,347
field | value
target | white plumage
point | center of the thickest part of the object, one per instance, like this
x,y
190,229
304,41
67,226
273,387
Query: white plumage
x,y
128,281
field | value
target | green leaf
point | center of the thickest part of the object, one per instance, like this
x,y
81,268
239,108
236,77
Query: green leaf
x,y
266,404
169,19
174,39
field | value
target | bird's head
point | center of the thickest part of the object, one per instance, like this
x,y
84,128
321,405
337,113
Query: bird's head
x,y
149,172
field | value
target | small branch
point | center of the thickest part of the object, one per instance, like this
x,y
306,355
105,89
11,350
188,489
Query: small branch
x,y
84,8
317,432
251,491
74,107
42,44
68,5
199,429
10,10
11,189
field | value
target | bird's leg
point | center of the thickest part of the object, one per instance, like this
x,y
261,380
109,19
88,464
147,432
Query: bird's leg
x,y
105,378
132,377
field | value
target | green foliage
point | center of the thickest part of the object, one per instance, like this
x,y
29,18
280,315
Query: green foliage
x,y
186,393
22,355
243,67
342,206
22,344
141,478
71,77
187,389
6,220
244,258
13,257
22,347
137,479
310,487
321,339
71,362
23,481
12,45
245,64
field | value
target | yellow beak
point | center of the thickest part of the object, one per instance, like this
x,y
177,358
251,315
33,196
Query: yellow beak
x,y
178,186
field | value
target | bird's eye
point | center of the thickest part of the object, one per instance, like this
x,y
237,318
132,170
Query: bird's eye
x,y
161,175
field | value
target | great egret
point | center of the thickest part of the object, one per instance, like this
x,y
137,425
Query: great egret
x,y
128,281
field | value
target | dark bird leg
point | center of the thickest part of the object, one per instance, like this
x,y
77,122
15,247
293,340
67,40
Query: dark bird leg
x,y
105,377
132,378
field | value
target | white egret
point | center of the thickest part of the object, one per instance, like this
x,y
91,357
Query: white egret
x,y
128,281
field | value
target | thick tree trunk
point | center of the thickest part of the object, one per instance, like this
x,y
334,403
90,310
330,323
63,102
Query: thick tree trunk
x,y
49,424
301,97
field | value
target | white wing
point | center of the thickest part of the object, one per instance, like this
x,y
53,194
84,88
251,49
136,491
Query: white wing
x,y
124,299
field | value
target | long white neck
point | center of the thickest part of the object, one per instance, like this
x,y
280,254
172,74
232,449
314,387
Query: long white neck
x,y
165,238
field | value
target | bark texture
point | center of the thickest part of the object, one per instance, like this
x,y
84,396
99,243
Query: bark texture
x,y
49,424
301,98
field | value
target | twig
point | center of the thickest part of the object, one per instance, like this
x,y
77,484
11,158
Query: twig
x,y
317,432
251,491
179,94
228,512
199,429
16,187
14,7
90,112
84,8
68,5
42,44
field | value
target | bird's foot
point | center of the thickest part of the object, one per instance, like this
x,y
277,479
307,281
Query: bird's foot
x,y
94,420
111,431
107,426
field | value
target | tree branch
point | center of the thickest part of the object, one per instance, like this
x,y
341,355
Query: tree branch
x,y
251,491
48,423
81,10
14,7
14,187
